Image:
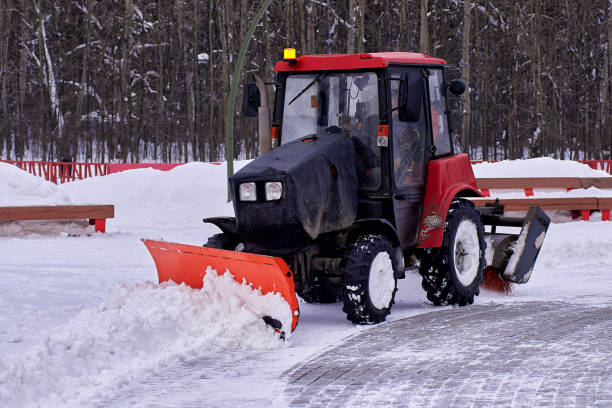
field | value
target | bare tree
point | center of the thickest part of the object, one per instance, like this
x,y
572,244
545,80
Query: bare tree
x,y
424,36
465,69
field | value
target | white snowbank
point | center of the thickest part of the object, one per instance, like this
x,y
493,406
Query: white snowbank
x,y
18,187
148,199
539,167
140,328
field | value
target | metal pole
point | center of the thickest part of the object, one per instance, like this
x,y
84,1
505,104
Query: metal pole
x,y
229,115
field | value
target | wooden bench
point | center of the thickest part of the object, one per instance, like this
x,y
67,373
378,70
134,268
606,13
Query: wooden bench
x,y
583,204
529,183
97,214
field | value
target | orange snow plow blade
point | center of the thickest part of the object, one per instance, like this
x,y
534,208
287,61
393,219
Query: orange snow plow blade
x,y
187,264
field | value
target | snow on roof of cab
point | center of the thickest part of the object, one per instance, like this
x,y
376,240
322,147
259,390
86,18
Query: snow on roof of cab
x,y
322,62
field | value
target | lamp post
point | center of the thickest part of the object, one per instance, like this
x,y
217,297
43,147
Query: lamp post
x,y
229,114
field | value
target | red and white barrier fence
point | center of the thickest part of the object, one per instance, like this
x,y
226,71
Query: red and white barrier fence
x,y
62,172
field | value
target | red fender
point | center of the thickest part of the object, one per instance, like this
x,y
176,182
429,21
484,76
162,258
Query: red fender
x,y
446,179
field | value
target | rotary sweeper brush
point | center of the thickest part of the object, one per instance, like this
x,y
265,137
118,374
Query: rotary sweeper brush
x,y
361,183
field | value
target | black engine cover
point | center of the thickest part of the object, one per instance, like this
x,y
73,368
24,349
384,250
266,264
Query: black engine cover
x,y
319,194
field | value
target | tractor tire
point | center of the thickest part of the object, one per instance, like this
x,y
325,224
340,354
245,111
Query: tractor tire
x,y
452,273
321,291
369,279
222,241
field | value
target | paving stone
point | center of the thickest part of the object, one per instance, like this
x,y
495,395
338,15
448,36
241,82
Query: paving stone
x,y
531,354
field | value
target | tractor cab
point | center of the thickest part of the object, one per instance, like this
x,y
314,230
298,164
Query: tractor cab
x,y
392,107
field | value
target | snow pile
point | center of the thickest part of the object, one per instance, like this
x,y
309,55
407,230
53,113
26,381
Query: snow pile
x,y
148,199
138,329
539,167
49,228
18,187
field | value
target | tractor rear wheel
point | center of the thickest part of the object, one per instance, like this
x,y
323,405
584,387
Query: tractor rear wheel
x,y
452,273
369,279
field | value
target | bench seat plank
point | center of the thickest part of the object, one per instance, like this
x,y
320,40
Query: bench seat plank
x,y
520,183
523,204
57,212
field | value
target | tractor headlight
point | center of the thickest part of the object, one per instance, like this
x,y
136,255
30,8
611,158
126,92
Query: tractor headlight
x,y
274,190
248,192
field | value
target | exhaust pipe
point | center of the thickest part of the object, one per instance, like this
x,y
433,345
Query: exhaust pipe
x,y
263,114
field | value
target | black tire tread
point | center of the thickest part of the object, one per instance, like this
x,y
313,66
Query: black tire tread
x,y
355,276
436,270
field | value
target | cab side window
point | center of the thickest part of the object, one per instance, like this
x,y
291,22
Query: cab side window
x,y
439,120
408,146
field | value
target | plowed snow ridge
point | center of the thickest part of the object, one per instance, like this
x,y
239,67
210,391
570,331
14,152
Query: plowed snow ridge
x,y
139,329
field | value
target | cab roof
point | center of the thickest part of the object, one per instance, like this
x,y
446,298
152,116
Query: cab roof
x,y
324,62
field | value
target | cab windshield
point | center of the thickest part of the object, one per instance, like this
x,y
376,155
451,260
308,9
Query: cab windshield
x,y
336,102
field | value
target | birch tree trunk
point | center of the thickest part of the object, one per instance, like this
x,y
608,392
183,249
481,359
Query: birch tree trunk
x,y
51,84
350,31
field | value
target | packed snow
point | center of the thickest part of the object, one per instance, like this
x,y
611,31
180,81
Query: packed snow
x,y
539,167
86,324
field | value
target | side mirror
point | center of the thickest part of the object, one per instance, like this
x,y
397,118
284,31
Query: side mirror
x,y
410,98
457,87
251,100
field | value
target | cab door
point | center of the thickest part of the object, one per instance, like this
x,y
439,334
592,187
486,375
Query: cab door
x,y
408,147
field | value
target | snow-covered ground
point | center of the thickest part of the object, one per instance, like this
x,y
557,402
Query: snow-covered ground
x,y
84,322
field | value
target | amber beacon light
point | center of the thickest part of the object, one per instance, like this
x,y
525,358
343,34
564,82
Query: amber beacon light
x,y
289,55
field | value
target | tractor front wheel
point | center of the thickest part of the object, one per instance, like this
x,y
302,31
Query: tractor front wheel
x,y
369,279
452,273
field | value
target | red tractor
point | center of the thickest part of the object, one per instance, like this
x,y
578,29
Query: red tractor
x,y
362,183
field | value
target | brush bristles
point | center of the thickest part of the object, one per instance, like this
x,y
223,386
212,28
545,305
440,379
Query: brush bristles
x,y
492,281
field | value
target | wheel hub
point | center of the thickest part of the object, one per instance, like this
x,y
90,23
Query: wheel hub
x,y
466,252
381,282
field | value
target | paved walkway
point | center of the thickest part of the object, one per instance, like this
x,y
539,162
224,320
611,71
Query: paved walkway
x,y
519,355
